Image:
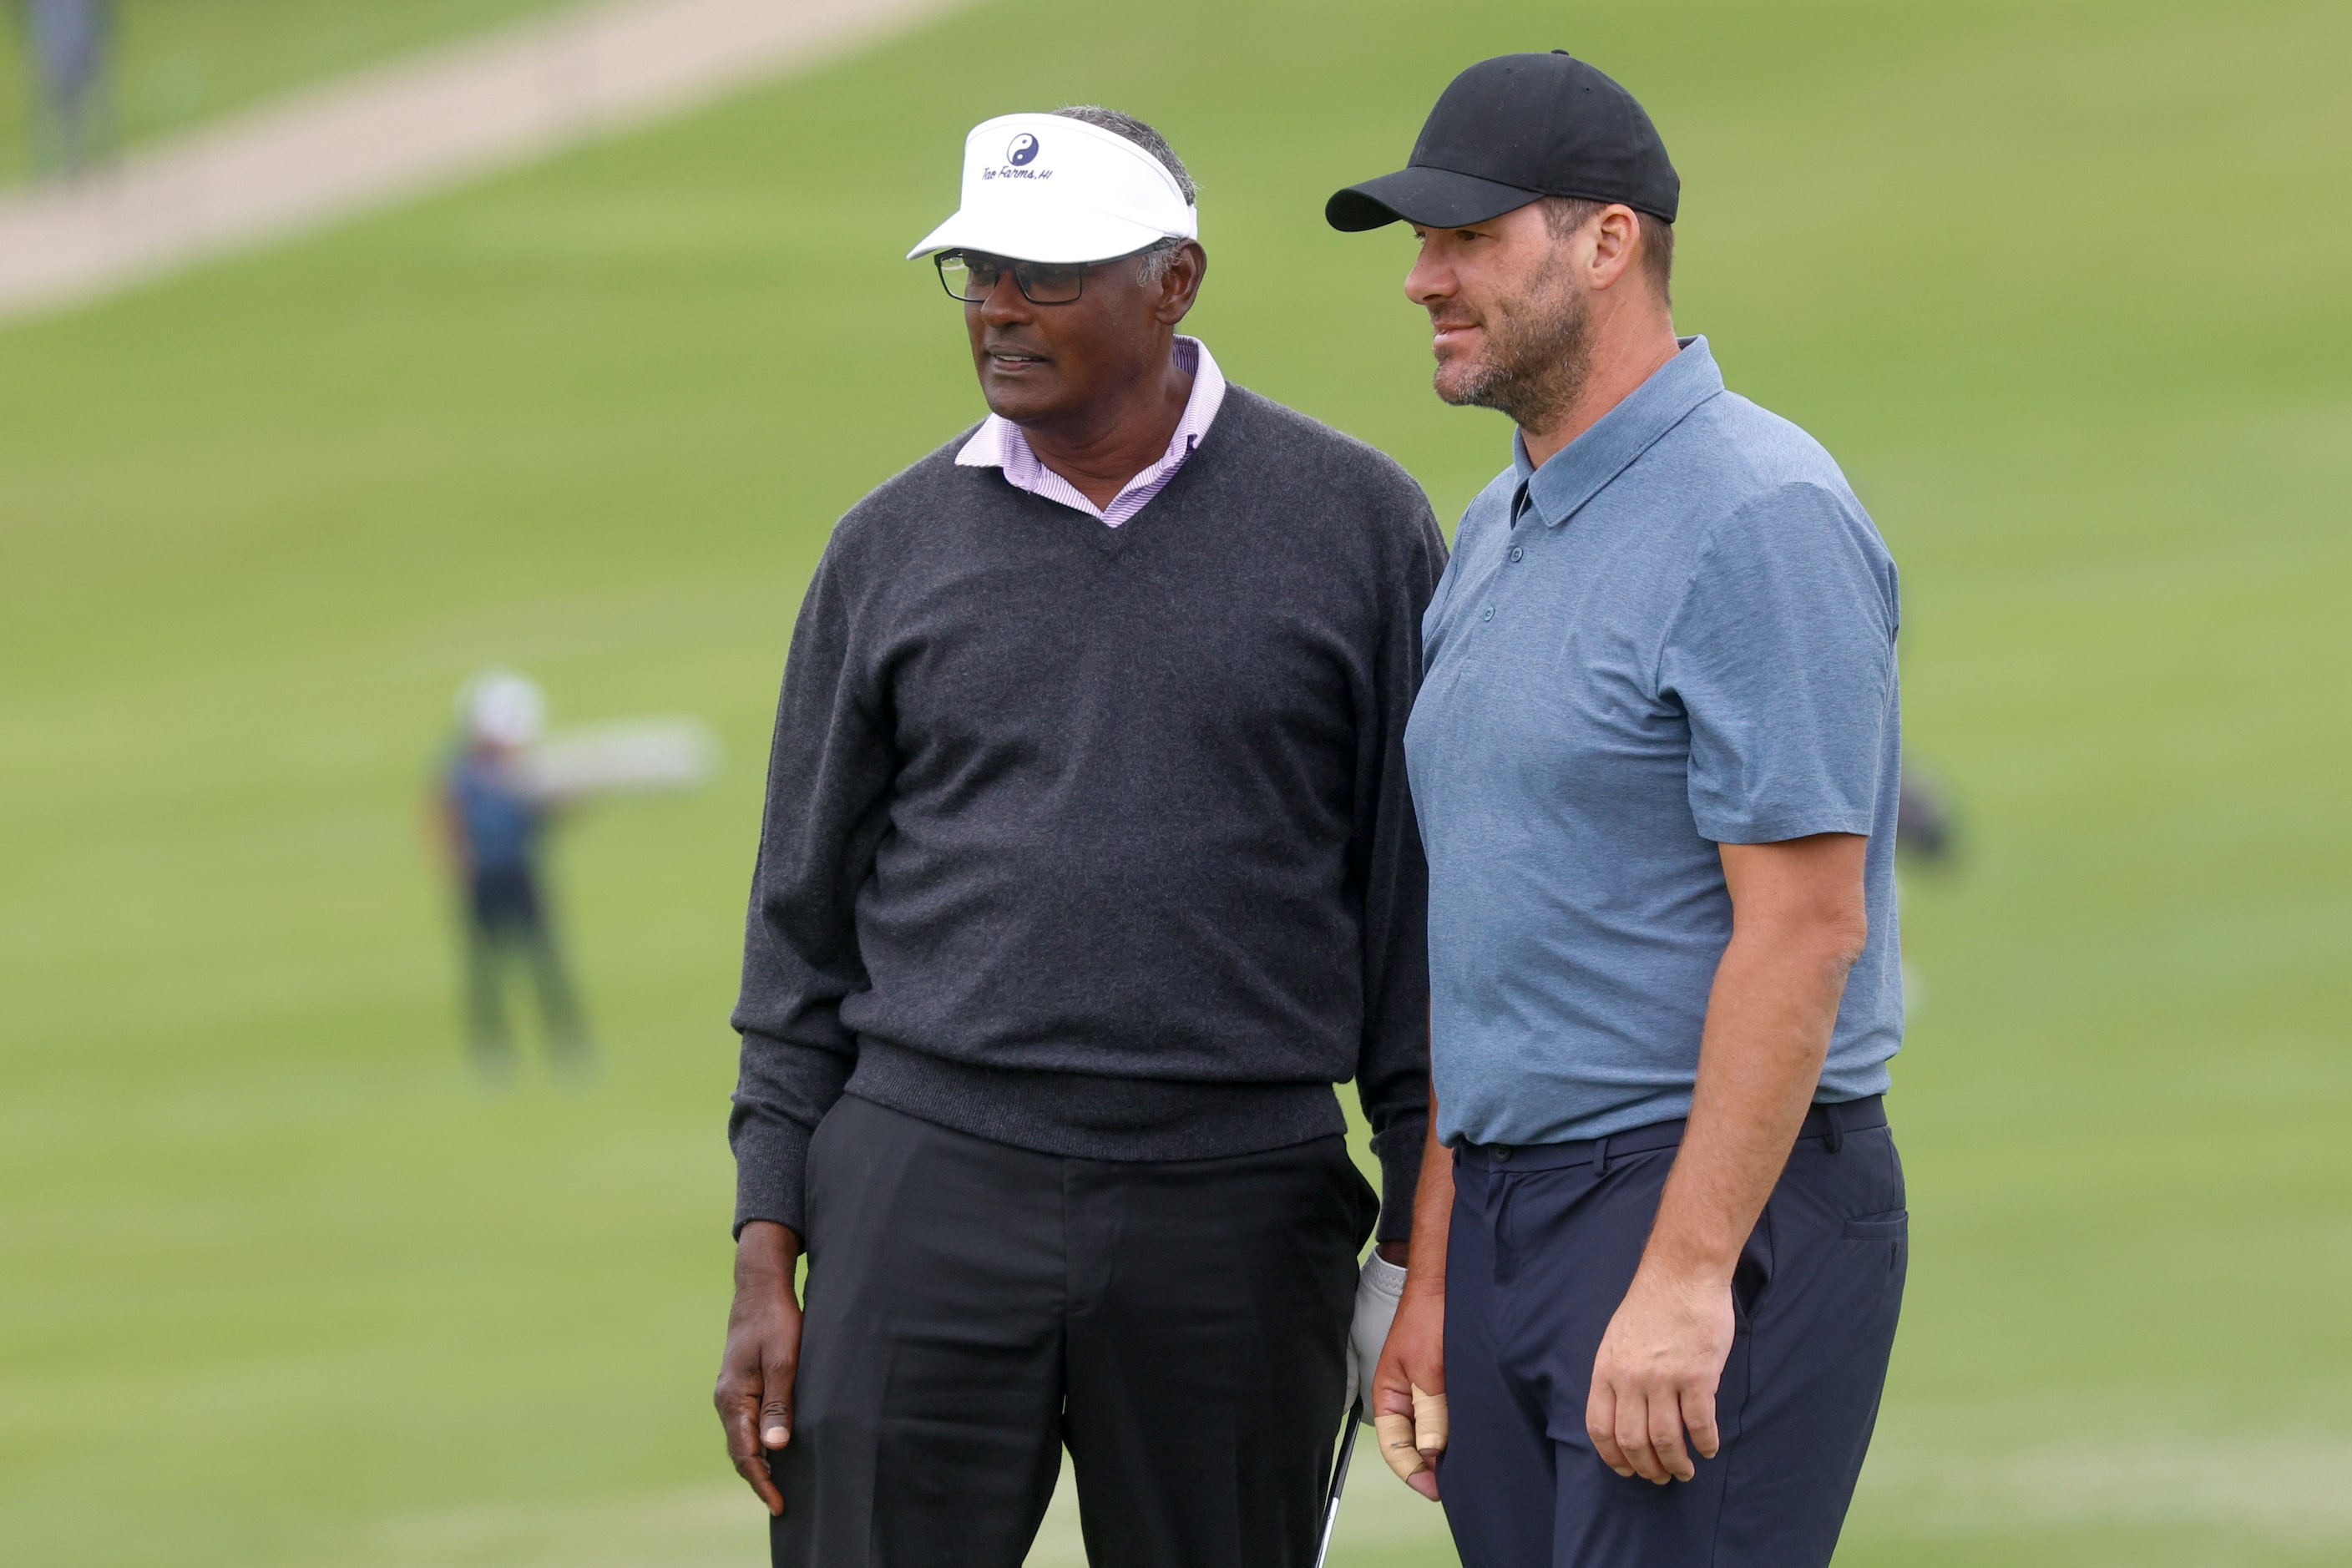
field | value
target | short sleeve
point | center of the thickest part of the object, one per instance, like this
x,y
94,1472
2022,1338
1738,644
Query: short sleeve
x,y
1782,656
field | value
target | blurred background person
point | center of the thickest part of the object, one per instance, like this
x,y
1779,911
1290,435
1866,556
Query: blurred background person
x,y
1926,831
68,48
494,822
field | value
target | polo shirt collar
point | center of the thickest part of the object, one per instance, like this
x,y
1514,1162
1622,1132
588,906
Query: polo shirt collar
x,y
1582,468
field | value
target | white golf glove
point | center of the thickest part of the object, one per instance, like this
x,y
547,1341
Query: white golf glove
x,y
1377,1290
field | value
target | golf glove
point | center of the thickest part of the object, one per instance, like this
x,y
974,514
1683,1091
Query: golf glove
x,y
1378,1290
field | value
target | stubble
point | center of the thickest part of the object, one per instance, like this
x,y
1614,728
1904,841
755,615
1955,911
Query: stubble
x,y
1539,354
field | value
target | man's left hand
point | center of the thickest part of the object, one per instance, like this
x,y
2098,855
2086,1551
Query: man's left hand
x,y
1656,1376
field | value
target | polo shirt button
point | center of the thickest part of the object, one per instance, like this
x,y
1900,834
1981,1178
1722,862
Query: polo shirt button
x,y
1487,613
1516,552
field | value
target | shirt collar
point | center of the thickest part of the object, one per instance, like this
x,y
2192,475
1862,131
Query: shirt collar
x,y
999,443
1582,468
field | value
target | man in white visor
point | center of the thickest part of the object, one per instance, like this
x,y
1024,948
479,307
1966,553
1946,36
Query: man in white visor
x,y
1087,871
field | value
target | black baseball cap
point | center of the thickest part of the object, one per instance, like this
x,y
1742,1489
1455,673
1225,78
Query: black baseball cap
x,y
1510,131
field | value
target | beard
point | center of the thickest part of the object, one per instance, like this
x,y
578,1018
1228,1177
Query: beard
x,y
1537,356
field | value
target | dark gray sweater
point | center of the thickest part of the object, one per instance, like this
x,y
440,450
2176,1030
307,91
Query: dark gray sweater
x,y
1095,841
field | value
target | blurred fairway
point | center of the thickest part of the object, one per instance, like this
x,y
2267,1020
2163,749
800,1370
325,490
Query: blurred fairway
x,y
181,61
2063,286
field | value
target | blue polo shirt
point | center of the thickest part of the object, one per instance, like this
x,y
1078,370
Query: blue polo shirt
x,y
1676,634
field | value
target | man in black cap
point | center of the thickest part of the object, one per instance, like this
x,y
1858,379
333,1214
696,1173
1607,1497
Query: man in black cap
x,y
1655,761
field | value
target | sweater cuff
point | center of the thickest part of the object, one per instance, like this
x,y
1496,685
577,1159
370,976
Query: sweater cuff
x,y
782,1091
771,1169
1399,1148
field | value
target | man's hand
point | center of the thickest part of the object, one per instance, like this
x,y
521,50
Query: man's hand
x,y
1656,1373
1407,1398
763,1350
1407,1393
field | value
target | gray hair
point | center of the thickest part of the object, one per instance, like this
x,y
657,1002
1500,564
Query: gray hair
x,y
1565,215
1154,260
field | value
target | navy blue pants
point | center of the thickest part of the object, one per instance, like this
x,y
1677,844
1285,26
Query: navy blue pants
x,y
1544,1246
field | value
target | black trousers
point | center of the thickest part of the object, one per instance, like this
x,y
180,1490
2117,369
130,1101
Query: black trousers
x,y
1544,1245
973,1309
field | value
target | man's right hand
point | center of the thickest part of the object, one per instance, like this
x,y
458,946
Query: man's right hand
x,y
763,1350
1408,1393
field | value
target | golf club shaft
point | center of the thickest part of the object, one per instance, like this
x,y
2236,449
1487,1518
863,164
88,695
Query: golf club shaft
x,y
1339,1482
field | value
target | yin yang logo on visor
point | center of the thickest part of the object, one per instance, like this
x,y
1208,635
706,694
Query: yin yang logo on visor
x,y
1024,151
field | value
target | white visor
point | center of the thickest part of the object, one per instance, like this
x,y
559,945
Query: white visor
x,y
1040,187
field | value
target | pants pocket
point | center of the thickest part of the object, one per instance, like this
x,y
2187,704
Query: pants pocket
x,y
1891,1230
1892,1225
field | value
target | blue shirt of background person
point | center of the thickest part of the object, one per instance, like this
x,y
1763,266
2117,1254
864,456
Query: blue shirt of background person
x,y
1678,633
498,821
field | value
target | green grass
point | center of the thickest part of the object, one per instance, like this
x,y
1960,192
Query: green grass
x,y
2062,285
178,62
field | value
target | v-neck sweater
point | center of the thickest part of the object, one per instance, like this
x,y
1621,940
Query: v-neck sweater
x,y
1099,842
